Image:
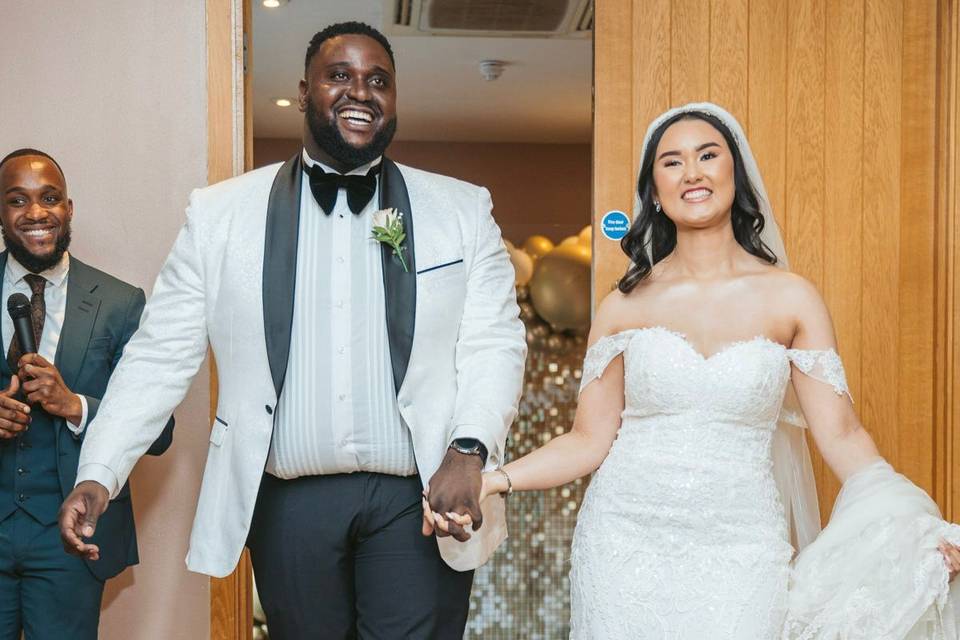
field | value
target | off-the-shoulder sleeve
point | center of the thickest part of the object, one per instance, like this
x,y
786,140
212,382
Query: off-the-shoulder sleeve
x,y
600,354
822,365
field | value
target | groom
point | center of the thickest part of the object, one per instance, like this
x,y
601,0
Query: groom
x,y
348,378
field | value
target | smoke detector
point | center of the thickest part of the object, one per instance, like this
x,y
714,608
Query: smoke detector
x,y
492,69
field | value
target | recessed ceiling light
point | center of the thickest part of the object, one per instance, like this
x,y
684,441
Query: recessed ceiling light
x,y
282,102
273,4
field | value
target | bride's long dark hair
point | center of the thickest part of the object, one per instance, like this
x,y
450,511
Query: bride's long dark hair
x,y
653,236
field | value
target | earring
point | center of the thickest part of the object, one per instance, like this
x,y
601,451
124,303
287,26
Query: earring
x,y
656,205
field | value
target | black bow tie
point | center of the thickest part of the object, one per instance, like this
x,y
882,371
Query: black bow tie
x,y
325,186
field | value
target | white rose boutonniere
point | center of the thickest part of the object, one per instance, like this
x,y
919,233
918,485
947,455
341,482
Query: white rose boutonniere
x,y
388,230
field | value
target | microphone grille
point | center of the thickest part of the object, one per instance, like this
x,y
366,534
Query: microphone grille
x,y
18,305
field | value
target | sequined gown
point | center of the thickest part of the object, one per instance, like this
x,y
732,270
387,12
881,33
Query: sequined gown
x,y
682,534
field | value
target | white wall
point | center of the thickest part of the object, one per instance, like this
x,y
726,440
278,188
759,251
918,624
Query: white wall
x,y
116,91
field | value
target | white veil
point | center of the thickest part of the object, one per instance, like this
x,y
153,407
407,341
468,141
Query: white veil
x,y
792,468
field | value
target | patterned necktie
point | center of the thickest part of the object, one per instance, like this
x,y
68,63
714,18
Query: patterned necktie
x,y
38,310
326,186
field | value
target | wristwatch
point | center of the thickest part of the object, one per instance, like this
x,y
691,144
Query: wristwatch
x,y
470,447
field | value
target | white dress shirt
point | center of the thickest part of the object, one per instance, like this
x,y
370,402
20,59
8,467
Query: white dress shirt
x,y
55,300
338,410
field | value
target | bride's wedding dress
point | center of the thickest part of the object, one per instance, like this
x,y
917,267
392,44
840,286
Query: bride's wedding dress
x,y
682,534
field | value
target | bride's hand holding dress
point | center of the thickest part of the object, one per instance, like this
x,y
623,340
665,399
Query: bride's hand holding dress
x,y
877,566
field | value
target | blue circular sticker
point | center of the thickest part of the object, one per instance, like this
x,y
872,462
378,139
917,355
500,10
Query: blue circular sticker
x,y
614,224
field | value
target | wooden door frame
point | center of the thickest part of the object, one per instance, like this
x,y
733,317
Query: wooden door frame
x,y
946,389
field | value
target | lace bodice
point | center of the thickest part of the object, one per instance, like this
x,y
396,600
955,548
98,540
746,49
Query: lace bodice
x,y
665,375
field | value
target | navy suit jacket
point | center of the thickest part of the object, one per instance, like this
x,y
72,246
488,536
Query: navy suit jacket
x,y
102,313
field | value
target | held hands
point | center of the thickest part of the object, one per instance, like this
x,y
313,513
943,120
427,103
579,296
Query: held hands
x,y
451,501
491,482
951,557
78,518
14,415
44,385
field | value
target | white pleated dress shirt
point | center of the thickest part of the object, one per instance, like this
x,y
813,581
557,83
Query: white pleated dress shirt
x,y
338,409
55,302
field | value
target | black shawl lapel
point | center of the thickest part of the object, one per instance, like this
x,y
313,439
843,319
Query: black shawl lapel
x,y
280,266
400,285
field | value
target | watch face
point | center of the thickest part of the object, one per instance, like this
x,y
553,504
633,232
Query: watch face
x,y
467,445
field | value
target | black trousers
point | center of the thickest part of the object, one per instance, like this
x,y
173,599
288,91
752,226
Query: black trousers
x,y
342,557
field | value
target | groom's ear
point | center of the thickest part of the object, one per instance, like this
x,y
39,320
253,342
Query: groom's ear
x,y
302,97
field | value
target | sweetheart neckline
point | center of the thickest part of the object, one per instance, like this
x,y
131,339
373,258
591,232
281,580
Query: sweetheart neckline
x,y
686,341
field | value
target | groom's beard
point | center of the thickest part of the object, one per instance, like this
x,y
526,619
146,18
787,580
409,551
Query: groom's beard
x,y
33,263
327,136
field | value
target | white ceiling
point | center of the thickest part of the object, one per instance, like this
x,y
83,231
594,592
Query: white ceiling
x,y
543,96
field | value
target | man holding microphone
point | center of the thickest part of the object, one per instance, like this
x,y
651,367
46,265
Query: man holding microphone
x,y
80,319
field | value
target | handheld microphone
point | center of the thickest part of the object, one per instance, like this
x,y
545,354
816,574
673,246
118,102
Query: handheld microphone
x,y
18,306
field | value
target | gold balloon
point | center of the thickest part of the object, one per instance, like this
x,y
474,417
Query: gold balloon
x,y
560,287
569,240
573,251
510,246
522,266
538,246
586,235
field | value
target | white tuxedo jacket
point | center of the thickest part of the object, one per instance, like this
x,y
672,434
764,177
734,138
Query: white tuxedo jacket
x,y
457,344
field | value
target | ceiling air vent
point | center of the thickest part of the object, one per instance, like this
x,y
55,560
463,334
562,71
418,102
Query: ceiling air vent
x,y
490,18
585,21
402,13
496,15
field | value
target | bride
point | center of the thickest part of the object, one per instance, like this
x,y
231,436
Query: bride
x,y
701,521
